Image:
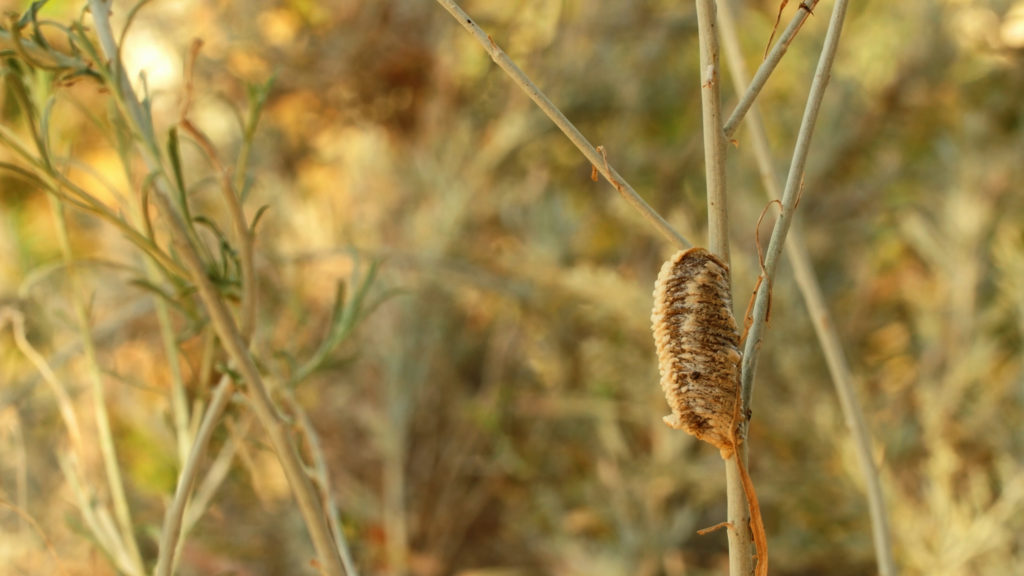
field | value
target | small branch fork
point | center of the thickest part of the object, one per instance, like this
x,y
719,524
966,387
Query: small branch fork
x,y
771,61
817,310
790,196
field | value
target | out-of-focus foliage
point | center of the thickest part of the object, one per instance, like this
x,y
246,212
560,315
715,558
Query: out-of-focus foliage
x,y
499,413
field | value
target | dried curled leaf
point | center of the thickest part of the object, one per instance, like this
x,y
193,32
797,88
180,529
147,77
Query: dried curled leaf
x,y
698,346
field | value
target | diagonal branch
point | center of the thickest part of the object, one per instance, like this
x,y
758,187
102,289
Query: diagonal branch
x,y
768,66
595,156
790,195
816,309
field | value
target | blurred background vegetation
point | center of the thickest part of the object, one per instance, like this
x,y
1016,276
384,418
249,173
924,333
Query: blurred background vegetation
x,y
498,411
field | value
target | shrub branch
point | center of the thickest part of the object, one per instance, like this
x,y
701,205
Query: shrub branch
x,y
594,155
817,310
751,92
220,316
790,195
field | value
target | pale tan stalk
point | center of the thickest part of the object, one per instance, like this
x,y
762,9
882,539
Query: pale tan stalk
x,y
596,157
179,400
202,495
714,138
262,405
243,235
324,484
817,311
60,393
751,92
173,531
737,511
97,521
790,195
108,450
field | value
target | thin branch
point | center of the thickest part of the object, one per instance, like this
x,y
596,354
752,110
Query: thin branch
x,y
108,449
217,472
232,199
98,523
852,413
323,482
596,158
244,237
816,307
131,108
179,398
789,199
173,530
60,185
738,508
44,57
768,66
714,138
263,406
65,406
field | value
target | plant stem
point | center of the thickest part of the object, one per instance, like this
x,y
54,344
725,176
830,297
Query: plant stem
x,y
217,472
183,432
172,532
97,521
243,235
179,399
843,380
751,92
714,138
263,406
818,313
323,482
741,545
60,392
790,195
596,157
108,450
816,308
737,510
40,56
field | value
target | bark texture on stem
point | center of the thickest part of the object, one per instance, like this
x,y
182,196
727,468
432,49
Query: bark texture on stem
x,y
714,137
740,542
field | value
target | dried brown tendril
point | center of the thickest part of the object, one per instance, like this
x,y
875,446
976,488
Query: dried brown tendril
x,y
698,346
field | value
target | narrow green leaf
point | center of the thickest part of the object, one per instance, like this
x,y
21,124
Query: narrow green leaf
x,y
159,292
174,154
221,240
258,94
345,314
256,219
30,15
146,192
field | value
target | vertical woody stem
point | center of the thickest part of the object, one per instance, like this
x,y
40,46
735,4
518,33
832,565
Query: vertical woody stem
x,y
740,543
714,137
